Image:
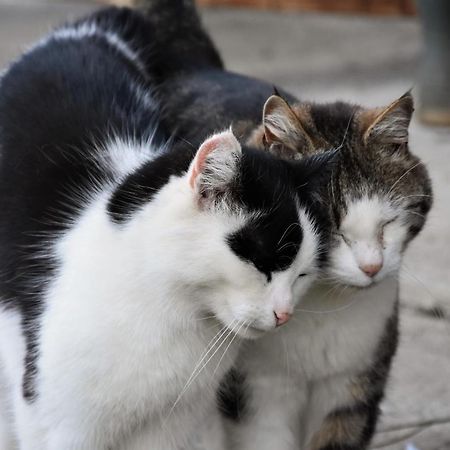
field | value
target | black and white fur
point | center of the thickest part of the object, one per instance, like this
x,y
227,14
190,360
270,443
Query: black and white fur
x,y
318,382
130,262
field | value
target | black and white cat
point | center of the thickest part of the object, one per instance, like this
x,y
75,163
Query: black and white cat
x,y
317,383
129,262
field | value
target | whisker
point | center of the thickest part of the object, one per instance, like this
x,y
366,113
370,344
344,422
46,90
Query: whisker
x,y
213,316
406,271
204,355
404,175
286,231
288,244
416,214
196,372
328,311
288,367
346,131
416,195
328,294
228,346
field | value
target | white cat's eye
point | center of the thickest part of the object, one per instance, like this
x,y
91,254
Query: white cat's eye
x,y
302,275
387,222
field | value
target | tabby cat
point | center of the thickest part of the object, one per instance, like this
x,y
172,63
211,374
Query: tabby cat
x,y
318,382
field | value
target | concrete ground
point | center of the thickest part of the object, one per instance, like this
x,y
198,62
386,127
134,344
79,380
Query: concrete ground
x,y
323,58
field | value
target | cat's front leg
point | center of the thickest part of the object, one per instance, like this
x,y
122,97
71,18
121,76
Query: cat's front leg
x,y
206,434
271,418
349,426
6,415
351,421
352,425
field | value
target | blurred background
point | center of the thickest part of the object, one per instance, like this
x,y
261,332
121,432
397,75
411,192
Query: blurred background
x,y
369,52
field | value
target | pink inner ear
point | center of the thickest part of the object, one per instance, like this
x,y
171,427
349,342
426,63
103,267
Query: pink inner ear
x,y
200,158
205,149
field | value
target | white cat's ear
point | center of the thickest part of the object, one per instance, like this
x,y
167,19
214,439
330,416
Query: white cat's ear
x,y
284,134
214,170
388,125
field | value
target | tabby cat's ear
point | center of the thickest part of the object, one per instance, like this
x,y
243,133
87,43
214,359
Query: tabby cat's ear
x,y
388,125
213,172
284,134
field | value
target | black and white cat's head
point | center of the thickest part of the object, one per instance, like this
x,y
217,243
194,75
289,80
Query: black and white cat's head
x,y
253,245
379,193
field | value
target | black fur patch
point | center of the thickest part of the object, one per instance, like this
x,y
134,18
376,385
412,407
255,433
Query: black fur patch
x,y
275,189
140,187
232,396
341,447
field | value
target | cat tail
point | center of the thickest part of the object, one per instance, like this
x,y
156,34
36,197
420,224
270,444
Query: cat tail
x,y
179,35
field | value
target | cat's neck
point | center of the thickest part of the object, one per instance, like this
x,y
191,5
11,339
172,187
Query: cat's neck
x,y
326,296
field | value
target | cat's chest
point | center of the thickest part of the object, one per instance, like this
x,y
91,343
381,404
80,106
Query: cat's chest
x,y
327,336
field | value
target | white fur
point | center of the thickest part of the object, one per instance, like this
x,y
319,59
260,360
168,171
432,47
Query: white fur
x,y
128,315
124,156
373,231
302,372
89,30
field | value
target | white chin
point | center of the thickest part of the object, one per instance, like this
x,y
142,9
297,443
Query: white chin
x,y
358,281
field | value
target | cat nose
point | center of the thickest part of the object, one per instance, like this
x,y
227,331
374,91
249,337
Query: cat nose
x,y
371,269
281,317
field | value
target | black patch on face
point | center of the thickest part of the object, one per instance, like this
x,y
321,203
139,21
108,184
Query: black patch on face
x,y
270,243
272,240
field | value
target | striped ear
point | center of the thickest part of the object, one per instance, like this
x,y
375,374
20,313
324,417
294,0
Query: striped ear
x,y
388,125
215,167
284,133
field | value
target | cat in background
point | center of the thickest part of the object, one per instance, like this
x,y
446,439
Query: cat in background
x,y
318,382
131,264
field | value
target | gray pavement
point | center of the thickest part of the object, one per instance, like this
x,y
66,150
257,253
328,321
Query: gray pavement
x,y
323,58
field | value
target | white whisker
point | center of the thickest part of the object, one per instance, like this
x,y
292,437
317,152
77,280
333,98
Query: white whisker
x,y
404,175
228,346
196,372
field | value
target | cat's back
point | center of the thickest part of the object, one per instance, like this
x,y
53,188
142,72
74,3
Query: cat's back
x,y
218,97
68,109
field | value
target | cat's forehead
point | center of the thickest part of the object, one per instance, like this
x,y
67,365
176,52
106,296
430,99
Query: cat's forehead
x,y
364,214
374,171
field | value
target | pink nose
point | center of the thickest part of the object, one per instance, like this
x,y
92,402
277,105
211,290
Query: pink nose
x,y
281,317
371,269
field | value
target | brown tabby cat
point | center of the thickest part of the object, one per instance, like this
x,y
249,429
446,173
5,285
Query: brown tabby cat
x,y
318,382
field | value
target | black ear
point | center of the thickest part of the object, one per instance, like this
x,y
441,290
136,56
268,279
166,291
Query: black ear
x,y
315,171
